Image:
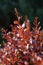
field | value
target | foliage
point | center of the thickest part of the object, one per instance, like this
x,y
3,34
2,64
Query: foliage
x,y
24,46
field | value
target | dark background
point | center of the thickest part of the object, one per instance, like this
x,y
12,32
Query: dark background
x,y
31,8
